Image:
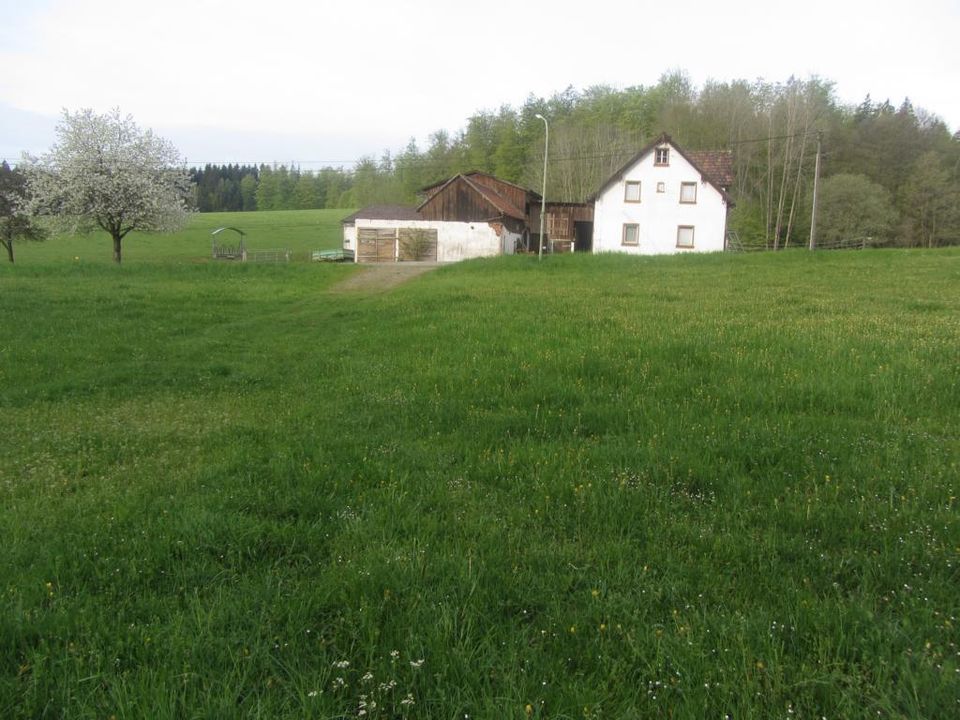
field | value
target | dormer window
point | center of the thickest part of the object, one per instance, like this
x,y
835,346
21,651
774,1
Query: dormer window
x,y
661,156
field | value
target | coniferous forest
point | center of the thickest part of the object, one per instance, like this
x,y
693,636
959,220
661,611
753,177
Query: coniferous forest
x,y
889,171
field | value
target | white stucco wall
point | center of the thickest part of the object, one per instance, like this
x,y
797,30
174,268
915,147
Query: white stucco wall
x,y
350,237
658,215
455,240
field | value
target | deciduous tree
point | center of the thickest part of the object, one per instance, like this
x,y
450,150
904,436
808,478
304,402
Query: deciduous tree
x,y
15,224
853,207
105,171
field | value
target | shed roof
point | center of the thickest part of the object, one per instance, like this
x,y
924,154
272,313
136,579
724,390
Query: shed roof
x,y
719,162
383,212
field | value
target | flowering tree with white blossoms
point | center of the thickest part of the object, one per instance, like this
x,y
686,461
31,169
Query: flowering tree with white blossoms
x,y
104,171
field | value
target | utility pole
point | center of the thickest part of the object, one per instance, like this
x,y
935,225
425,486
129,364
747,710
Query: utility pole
x,y
816,183
543,195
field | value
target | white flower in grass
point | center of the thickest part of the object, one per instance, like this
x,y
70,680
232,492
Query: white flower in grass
x,y
415,664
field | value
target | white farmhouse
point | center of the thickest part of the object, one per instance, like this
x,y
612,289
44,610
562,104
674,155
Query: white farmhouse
x,y
665,200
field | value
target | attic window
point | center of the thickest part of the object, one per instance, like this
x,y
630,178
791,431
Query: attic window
x,y
631,191
688,192
661,156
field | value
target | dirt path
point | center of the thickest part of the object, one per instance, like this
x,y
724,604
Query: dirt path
x,y
380,277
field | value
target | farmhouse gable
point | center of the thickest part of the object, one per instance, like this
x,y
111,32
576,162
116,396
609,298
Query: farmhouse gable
x,y
665,200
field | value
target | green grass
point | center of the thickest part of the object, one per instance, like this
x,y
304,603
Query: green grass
x,y
300,231
598,486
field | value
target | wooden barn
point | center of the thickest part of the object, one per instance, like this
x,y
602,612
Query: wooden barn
x,y
479,197
469,215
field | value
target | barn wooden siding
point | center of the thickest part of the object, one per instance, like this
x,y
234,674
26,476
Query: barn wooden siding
x,y
561,222
458,202
515,195
479,198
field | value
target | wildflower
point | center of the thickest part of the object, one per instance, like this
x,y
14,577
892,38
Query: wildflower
x,y
595,592
529,709
415,664
342,664
408,700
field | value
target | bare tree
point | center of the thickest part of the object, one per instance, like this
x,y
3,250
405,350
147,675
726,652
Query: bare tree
x,y
104,171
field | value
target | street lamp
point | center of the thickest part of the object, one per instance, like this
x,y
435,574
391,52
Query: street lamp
x,y
543,195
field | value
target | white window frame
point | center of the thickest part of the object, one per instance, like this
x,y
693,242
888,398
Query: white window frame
x,y
627,185
680,231
687,185
661,156
623,239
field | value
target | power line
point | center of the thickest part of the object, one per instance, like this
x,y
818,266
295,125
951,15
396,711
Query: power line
x,y
420,164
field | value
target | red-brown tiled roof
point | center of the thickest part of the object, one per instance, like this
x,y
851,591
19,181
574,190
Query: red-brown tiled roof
x,y
717,165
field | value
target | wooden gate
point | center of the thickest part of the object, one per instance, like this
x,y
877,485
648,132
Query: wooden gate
x,y
376,245
418,244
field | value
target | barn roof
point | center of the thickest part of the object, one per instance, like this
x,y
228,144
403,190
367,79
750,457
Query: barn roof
x,y
383,212
718,170
472,173
498,201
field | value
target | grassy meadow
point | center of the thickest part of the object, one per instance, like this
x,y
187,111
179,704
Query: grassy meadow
x,y
594,487
300,231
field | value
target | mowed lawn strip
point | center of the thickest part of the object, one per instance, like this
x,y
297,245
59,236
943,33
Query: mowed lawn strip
x,y
588,487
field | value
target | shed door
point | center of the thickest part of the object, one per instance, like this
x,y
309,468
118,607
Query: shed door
x,y
418,244
376,245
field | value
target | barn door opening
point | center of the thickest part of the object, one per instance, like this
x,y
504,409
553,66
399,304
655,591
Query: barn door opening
x,y
583,233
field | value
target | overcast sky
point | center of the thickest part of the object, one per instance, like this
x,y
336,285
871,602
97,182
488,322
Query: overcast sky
x,y
321,80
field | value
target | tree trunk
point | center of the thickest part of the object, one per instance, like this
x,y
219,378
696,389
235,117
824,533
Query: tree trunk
x,y
116,247
9,246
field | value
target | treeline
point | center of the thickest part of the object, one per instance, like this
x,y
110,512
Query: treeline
x,y
231,188
901,161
